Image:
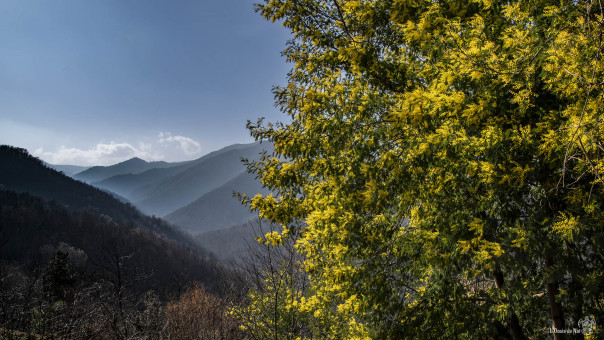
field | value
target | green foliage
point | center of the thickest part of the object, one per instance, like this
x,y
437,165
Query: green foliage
x,y
444,157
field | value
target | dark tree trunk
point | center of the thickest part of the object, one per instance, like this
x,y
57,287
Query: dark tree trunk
x,y
514,324
555,307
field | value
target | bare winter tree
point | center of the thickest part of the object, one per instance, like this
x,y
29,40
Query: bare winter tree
x,y
120,277
273,275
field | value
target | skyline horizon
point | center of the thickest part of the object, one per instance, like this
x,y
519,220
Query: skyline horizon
x,y
129,158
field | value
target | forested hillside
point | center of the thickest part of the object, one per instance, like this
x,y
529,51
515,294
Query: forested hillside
x,y
20,172
72,269
32,230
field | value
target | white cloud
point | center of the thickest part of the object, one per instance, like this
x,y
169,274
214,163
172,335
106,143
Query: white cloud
x,y
188,145
101,154
164,147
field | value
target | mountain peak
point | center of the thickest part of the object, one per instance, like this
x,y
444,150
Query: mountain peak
x,y
134,160
98,173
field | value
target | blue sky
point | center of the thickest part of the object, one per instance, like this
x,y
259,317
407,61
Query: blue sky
x,y
96,82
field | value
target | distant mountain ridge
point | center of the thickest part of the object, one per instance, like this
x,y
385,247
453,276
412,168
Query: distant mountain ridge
x,y
199,216
69,170
132,166
161,191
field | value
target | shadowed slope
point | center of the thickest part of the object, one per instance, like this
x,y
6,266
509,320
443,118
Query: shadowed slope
x,y
218,209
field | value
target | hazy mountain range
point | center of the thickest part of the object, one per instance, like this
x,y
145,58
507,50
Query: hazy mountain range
x,y
134,165
196,196
218,208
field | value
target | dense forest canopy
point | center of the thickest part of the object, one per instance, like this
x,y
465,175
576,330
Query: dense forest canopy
x,y
444,157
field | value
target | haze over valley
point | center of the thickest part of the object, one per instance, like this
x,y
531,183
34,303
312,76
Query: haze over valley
x,y
196,196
